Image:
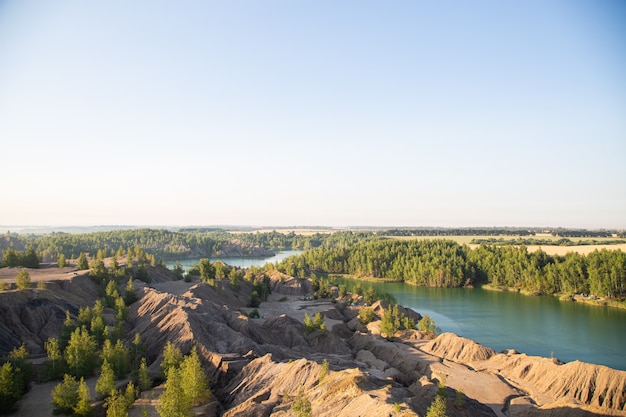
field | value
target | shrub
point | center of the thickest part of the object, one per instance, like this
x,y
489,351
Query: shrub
x,y
22,280
366,315
427,325
302,406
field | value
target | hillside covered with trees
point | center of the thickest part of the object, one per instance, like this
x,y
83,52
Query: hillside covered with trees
x,y
444,263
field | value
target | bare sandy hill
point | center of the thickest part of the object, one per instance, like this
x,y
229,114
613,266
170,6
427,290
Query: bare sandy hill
x,y
259,366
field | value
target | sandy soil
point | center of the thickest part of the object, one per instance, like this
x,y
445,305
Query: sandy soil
x,y
583,249
37,401
51,273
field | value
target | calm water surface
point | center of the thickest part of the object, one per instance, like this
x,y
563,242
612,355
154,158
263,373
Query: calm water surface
x,y
541,326
238,261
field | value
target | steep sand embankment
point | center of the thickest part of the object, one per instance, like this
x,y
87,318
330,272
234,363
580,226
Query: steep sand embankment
x,y
259,366
32,316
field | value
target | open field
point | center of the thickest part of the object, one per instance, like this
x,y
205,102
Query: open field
x,y
550,250
303,232
583,250
52,273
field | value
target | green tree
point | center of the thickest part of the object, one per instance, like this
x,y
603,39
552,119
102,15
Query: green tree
x,y
9,389
207,271
97,329
427,325
142,273
130,256
97,270
82,263
324,370
437,408
105,385
388,325
116,405
178,271
118,357
302,405
10,257
62,262
172,357
366,315
83,406
130,296
30,258
130,395
144,380
194,381
370,295
65,395
22,280
55,365
22,368
80,353
174,402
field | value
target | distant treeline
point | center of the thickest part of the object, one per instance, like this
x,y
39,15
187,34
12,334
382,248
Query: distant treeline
x,y
165,244
465,231
546,242
444,263
507,231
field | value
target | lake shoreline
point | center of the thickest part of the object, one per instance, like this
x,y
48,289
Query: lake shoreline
x,y
598,302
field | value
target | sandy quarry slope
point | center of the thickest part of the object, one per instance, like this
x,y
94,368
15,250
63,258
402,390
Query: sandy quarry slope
x,y
259,366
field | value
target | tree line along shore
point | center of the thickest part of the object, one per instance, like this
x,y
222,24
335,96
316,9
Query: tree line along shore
x,y
431,262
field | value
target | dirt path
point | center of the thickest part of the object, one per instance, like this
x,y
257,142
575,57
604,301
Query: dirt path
x,y
37,401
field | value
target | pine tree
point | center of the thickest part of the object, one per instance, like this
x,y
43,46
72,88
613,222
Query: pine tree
x,y
116,405
174,402
194,381
80,353
105,385
130,395
388,323
82,263
22,280
437,408
65,395
83,406
172,357
62,261
9,389
55,365
145,383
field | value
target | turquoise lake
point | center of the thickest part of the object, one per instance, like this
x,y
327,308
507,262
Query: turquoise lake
x,y
542,326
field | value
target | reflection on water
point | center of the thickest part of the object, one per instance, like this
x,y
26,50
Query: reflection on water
x,y
241,262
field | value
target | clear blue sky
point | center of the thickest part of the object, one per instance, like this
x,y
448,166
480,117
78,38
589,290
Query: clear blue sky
x,y
406,113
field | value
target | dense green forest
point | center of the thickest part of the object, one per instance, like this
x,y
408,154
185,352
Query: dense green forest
x,y
434,263
163,244
444,263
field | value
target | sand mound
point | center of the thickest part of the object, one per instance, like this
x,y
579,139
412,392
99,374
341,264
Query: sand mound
x,y
458,349
265,388
589,384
